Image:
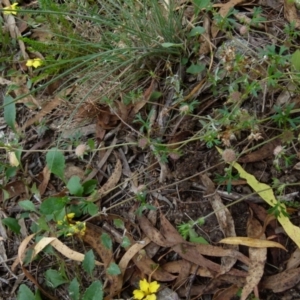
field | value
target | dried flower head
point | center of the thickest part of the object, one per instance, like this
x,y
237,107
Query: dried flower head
x,y
229,156
278,150
80,149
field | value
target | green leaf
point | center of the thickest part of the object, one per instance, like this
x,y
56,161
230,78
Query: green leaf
x,y
9,111
12,224
27,205
92,208
74,186
38,295
113,269
89,186
5,195
74,289
24,293
125,242
91,144
56,162
42,223
197,31
195,69
54,278
106,240
295,60
89,262
52,204
155,95
199,240
94,291
119,223
11,172
202,4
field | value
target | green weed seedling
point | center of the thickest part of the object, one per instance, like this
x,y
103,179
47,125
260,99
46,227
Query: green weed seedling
x,y
283,118
278,210
227,178
188,232
141,197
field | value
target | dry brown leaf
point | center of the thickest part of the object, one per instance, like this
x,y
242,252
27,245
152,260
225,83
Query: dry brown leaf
x,y
224,218
57,244
257,257
264,152
147,93
175,267
122,110
226,294
294,260
46,109
147,266
42,33
46,177
4,81
194,253
256,243
297,166
28,100
282,281
152,233
131,252
111,182
290,12
105,118
15,188
72,170
204,39
61,247
183,274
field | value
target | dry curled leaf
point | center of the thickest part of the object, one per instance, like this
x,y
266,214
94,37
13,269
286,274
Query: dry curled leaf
x,y
264,152
294,260
282,281
46,109
112,181
290,13
224,218
257,257
250,242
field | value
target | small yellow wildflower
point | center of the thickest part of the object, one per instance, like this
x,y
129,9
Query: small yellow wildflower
x,y
10,10
71,229
36,62
66,219
147,290
77,228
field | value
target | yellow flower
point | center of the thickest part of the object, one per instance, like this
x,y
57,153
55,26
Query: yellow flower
x,y
10,10
147,290
77,228
71,228
36,62
70,216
